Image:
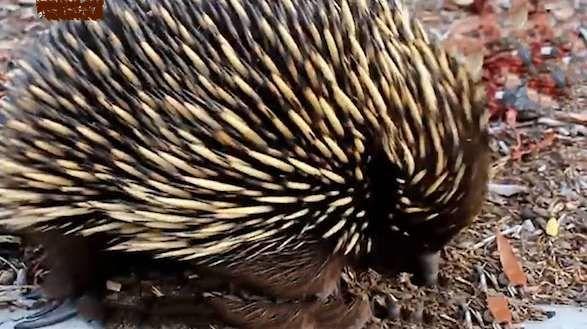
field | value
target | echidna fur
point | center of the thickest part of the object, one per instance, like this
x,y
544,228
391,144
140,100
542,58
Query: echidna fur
x,y
216,131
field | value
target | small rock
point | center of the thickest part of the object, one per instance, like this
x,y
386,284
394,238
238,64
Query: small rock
x,y
113,286
26,3
578,130
505,4
528,226
503,148
7,277
463,3
507,190
563,131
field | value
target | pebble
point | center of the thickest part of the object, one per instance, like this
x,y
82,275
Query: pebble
x,y
528,226
7,277
507,190
27,2
578,130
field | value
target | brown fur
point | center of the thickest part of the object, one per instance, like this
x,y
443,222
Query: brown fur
x,y
78,269
293,315
308,271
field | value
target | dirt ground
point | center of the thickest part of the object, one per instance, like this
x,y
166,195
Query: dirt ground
x,y
537,201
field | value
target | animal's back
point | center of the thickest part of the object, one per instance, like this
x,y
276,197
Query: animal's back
x,y
216,130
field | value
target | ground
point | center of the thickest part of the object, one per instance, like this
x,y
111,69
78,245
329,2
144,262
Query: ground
x,y
537,198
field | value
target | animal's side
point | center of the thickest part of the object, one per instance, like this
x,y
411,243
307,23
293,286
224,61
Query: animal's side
x,y
271,143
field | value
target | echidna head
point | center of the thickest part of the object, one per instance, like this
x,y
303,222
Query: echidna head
x,y
418,214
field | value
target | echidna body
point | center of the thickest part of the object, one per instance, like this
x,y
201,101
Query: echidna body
x,y
221,131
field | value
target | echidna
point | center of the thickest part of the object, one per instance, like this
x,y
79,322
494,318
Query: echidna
x,y
239,135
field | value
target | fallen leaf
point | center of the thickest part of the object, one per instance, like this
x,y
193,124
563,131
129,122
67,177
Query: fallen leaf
x,y
509,262
552,227
499,308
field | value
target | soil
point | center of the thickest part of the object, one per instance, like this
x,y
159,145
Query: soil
x,y
530,199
